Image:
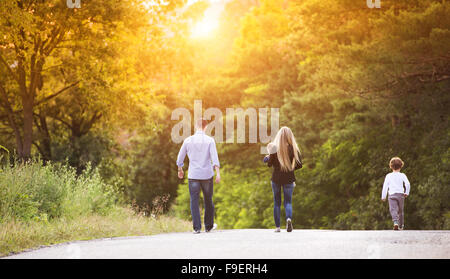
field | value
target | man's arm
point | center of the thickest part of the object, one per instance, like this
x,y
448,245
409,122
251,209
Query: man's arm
x,y
215,159
180,160
217,174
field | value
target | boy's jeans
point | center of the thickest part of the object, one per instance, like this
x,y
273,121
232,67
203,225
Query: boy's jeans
x,y
396,202
206,186
288,189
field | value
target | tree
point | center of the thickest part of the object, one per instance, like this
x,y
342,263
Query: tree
x,y
357,86
36,35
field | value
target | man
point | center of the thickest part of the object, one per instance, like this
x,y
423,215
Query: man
x,y
202,153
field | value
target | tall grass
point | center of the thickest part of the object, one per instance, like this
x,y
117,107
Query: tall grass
x,y
33,191
121,221
47,204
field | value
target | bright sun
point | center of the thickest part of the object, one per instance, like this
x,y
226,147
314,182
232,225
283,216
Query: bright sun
x,y
204,27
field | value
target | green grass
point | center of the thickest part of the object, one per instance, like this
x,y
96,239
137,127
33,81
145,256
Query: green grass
x,y
49,204
33,191
17,236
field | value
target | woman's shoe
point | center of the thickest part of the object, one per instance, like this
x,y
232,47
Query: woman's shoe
x,y
277,230
395,226
289,225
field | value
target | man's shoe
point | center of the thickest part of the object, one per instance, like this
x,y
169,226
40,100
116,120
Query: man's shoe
x,y
196,231
289,225
277,230
213,228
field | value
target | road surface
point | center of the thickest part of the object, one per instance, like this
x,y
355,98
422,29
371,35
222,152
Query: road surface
x,y
257,244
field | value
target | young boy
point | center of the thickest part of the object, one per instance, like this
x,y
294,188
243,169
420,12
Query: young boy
x,y
393,184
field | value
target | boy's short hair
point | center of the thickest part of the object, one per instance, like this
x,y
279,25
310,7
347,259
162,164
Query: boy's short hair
x,y
396,163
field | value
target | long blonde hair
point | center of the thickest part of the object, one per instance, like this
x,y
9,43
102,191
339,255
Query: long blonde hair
x,y
282,140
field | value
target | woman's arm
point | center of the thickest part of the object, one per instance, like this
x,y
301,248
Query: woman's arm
x,y
299,163
272,159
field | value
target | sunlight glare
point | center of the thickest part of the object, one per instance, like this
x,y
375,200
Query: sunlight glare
x,y
210,21
204,27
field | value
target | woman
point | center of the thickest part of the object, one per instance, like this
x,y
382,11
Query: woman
x,y
285,159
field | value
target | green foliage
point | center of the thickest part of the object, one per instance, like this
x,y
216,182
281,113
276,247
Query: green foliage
x,y
148,169
33,191
357,86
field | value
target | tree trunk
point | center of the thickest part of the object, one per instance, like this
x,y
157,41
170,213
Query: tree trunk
x,y
11,119
27,127
44,145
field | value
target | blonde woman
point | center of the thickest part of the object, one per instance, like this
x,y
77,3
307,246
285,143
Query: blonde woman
x,y
285,159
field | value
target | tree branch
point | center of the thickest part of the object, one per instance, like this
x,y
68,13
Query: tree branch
x,y
62,121
56,94
9,68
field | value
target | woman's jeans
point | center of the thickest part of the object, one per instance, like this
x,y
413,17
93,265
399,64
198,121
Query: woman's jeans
x,y
288,189
206,186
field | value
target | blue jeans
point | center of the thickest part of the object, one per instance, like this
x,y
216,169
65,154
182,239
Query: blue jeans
x,y
288,189
206,186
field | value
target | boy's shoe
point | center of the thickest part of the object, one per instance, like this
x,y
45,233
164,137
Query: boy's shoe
x,y
196,231
213,228
277,230
395,226
289,225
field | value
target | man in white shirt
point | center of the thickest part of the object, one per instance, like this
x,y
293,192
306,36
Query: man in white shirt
x,y
393,185
203,160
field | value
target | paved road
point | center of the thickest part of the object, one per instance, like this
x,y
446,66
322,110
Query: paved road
x,y
258,244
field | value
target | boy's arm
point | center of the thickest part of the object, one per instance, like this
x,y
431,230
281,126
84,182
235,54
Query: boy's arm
x,y
385,188
407,184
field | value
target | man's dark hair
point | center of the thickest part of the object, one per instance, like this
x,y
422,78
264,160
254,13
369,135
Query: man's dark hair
x,y
203,122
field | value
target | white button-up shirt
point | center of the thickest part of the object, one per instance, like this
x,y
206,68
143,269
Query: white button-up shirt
x,y
202,153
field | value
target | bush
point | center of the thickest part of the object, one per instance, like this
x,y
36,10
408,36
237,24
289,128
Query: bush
x,y
34,191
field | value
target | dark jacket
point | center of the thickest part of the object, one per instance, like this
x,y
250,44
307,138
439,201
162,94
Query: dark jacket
x,y
279,176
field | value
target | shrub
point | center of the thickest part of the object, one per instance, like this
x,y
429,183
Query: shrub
x,y
34,191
